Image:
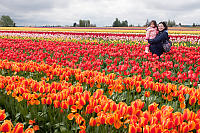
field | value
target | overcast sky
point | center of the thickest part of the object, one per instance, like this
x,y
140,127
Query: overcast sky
x,y
99,12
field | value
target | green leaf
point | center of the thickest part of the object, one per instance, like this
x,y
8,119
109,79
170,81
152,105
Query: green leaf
x,y
63,129
17,116
28,116
187,96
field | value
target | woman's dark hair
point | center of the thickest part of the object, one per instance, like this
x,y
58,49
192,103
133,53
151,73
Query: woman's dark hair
x,y
165,25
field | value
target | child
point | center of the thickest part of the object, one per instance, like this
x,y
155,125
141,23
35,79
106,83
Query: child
x,y
151,33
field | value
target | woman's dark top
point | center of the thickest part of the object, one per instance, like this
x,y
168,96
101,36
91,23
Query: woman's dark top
x,y
156,44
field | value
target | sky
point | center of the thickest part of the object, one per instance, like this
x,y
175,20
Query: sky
x,y
99,12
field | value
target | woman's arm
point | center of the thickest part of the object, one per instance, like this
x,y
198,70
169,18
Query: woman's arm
x,y
159,38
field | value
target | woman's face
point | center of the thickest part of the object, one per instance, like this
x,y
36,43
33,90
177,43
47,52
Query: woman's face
x,y
161,27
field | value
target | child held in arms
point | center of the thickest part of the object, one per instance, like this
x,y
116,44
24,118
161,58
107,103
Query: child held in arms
x,y
151,33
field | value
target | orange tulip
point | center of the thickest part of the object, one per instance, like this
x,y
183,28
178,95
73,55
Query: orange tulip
x,y
41,89
169,98
137,104
31,122
36,127
117,124
86,95
102,120
192,125
182,105
70,100
64,104
82,131
110,120
177,120
49,101
186,114
132,129
43,100
138,89
97,108
6,126
82,101
192,100
147,115
146,129
153,129
92,122
186,129
80,120
19,128
147,94
2,115
73,108
70,116
152,107
56,103
29,130
142,122
113,106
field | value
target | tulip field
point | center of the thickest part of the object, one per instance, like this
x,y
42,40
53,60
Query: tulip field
x,y
95,80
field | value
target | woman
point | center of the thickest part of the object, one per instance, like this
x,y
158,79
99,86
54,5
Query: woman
x,y
156,44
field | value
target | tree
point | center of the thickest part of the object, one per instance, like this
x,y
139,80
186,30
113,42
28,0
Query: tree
x,y
116,23
131,25
124,23
6,21
84,23
87,23
147,23
193,25
93,25
171,23
81,23
74,25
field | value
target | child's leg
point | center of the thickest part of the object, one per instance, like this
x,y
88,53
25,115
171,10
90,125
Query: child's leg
x,y
147,49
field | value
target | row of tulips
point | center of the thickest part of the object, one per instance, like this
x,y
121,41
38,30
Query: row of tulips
x,y
8,127
186,40
95,112
180,64
93,80
96,30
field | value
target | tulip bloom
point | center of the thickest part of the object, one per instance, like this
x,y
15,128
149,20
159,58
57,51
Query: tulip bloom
x,y
6,126
19,128
147,94
29,130
92,122
2,115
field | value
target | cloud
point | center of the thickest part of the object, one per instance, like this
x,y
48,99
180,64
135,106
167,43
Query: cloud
x,y
101,12
174,5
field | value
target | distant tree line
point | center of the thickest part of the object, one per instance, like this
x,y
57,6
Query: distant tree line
x,y
195,25
117,23
84,23
172,23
